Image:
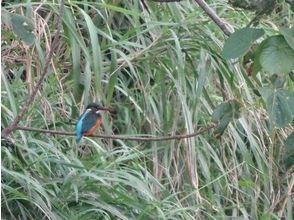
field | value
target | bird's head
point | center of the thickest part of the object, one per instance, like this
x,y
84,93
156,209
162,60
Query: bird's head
x,y
97,107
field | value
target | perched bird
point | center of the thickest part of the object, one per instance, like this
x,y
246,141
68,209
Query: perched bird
x,y
89,121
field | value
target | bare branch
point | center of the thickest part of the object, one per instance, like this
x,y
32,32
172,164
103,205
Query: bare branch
x,y
224,26
146,138
6,131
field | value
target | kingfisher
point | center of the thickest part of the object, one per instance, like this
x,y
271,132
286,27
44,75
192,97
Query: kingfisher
x,y
89,121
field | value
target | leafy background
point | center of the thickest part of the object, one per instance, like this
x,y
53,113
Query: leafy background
x,y
162,67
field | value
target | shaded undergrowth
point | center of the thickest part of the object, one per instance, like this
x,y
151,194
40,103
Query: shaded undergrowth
x,y
161,68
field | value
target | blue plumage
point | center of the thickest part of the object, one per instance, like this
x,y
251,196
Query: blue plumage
x,y
79,126
88,121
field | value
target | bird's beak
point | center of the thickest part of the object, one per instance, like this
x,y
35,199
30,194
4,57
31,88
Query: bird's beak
x,y
110,110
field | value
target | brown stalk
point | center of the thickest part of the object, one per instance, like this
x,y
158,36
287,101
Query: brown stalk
x,y
7,131
146,138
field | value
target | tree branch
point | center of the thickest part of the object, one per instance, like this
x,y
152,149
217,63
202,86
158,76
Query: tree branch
x,y
7,131
224,26
123,137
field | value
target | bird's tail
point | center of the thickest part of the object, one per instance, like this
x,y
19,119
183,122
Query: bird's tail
x,y
78,138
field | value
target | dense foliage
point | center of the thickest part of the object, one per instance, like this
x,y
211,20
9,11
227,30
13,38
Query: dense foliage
x,y
161,66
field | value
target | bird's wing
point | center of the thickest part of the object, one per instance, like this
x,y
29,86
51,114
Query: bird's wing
x,y
89,121
79,126
85,122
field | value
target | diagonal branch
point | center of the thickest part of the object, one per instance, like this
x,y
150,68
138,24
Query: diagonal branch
x,y
224,26
146,138
7,131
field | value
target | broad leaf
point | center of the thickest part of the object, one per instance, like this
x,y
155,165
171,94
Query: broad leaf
x,y
288,34
275,55
278,80
223,114
256,65
280,105
5,17
240,41
21,26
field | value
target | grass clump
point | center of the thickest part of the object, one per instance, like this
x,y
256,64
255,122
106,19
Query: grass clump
x,y
159,66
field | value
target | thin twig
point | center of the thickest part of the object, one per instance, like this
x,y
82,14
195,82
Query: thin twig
x,y
224,26
123,137
7,131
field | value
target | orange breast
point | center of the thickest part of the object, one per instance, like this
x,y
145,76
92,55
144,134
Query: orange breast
x,y
94,128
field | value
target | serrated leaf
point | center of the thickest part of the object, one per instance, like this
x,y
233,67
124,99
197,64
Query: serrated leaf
x,y
289,151
276,56
23,28
288,34
223,114
280,105
240,41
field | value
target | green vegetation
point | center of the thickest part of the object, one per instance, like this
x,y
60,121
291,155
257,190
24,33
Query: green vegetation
x,y
161,66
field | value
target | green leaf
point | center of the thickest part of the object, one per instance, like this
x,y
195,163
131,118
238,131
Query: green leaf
x,y
259,6
292,5
288,34
96,63
5,17
276,56
256,65
278,80
23,28
280,105
289,151
112,79
291,75
240,41
223,114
